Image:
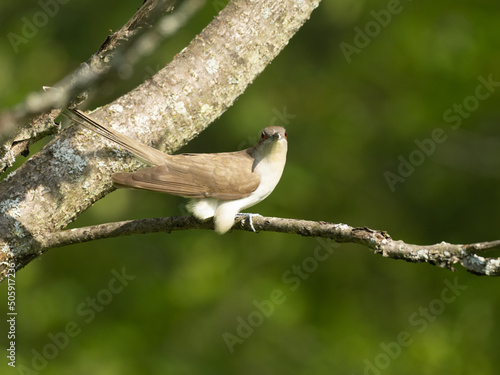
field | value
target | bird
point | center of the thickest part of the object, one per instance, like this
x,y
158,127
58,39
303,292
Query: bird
x,y
219,185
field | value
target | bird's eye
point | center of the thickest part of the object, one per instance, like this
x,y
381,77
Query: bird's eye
x,y
263,135
286,137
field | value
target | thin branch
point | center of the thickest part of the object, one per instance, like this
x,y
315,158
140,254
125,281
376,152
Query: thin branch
x,y
119,53
441,254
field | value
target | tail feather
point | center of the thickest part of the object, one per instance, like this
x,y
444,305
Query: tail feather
x,y
147,154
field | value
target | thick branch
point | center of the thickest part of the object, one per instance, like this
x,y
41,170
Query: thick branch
x,y
442,254
73,171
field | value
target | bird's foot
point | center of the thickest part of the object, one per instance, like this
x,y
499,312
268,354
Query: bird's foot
x,y
247,216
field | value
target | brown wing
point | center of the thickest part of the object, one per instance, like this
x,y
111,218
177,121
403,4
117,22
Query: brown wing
x,y
224,176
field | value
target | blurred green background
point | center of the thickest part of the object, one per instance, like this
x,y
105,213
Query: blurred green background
x,y
188,294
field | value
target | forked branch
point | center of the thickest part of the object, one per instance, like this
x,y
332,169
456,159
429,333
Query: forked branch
x,y
74,170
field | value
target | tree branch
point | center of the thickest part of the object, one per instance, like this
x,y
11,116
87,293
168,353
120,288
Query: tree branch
x,y
442,254
34,118
74,170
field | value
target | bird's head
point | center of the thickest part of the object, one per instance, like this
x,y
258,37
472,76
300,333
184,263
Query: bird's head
x,y
272,143
273,134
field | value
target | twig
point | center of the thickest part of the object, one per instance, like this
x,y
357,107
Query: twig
x,y
119,53
441,254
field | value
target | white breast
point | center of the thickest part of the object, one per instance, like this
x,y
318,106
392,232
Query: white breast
x,y
270,168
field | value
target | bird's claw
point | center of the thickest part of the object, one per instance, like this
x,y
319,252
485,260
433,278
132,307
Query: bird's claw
x,y
248,216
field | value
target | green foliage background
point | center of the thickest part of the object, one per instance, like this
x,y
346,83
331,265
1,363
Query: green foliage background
x,y
353,121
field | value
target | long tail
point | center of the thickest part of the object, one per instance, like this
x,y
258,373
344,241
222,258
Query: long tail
x,y
147,154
